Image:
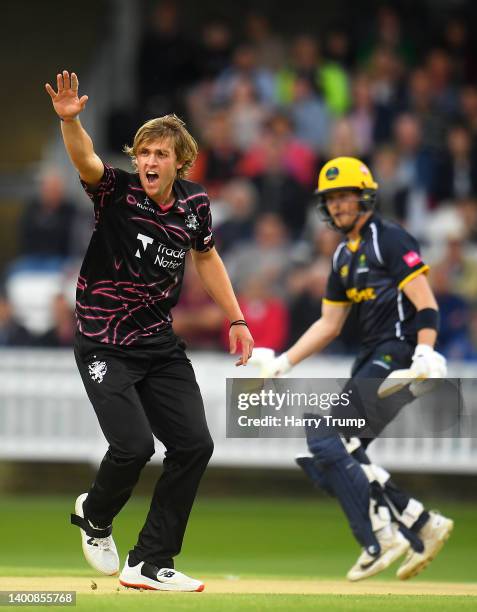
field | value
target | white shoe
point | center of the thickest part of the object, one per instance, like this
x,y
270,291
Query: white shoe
x,y
98,545
433,535
393,545
147,576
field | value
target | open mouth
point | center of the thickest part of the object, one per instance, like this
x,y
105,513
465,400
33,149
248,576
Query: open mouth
x,y
152,177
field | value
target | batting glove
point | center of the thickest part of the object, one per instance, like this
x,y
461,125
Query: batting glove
x,y
270,366
428,363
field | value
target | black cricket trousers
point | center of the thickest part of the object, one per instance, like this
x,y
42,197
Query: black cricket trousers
x,y
137,393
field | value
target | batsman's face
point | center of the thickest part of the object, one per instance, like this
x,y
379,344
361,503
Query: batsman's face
x,y
343,206
157,168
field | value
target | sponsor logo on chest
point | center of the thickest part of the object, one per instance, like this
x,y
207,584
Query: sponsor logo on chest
x,y
165,257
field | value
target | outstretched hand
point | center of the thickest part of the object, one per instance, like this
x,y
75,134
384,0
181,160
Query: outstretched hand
x,y
65,101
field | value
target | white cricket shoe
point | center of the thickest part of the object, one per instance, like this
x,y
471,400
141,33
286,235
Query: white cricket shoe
x,y
147,576
393,545
433,535
98,545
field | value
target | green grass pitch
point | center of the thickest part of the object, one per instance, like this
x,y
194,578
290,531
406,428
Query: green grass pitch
x,y
229,538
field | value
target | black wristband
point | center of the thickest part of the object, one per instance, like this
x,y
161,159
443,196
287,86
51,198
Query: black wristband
x,y
239,322
427,318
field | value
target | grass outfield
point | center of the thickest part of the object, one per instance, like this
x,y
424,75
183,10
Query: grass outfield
x,y
231,541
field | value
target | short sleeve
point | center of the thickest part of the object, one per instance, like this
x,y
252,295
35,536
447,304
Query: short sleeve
x,y
203,240
401,255
335,291
103,194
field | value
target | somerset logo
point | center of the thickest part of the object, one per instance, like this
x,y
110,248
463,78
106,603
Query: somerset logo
x,y
97,370
412,258
192,222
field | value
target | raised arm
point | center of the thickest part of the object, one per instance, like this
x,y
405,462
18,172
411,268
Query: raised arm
x,y
78,143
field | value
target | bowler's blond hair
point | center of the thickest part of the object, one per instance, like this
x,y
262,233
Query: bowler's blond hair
x,y
168,126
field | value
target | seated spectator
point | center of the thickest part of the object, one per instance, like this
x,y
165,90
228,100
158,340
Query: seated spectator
x,y
468,109
307,288
297,157
453,339
456,170
238,200
218,157
343,139
196,318
12,334
47,220
244,65
310,116
247,114
63,330
265,313
461,266
467,211
267,255
394,190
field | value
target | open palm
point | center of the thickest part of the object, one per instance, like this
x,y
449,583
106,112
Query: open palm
x,y
65,101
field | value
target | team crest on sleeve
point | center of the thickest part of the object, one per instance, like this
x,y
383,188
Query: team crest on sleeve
x,y
412,258
97,370
192,222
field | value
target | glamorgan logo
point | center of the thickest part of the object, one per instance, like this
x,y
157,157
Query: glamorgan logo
x,y
163,253
362,295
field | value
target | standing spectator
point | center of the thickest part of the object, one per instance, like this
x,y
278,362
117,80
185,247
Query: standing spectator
x,y
422,104
363,115
247,114
47,220
266,255
218,159
310,116
238,199
166,62
268,47
11,332
63,330
244,65
266,313
278,191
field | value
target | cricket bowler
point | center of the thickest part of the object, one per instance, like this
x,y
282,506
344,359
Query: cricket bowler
x,y
134,368
378,269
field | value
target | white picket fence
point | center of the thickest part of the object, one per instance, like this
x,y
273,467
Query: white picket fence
x,y
46,415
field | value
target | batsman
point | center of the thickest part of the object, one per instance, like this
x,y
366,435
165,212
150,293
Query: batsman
x,y
378,269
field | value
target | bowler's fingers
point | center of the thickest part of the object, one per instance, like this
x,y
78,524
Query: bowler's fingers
x,y
74,82
50,91
66,79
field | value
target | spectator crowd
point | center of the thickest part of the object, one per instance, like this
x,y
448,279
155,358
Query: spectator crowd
x,y
268,111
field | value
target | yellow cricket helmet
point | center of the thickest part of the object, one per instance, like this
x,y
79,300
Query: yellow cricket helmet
x,y
346,173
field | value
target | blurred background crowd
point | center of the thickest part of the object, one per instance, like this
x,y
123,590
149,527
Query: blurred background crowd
x,y
269,105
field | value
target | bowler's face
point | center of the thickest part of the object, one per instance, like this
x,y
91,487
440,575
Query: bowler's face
x,y
157,167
